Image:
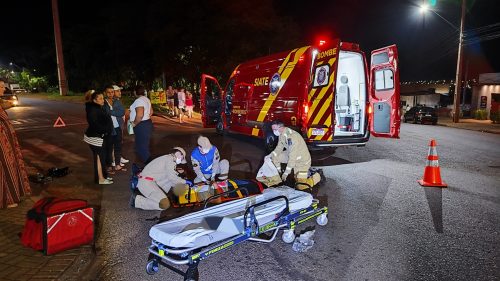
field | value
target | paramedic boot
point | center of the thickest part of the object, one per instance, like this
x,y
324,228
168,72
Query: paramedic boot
x,y
164,203
309,182
303,184
316,178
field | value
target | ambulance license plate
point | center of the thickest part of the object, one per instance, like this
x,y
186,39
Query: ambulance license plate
x,y
318,132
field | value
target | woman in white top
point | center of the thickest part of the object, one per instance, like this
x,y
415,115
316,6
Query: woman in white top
x,y
140,116
182,103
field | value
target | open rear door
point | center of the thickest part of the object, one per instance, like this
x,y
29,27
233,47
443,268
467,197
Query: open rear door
x,y
211,101
384,113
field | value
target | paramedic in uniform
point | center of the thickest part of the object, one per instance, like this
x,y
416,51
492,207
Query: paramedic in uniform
x,y
207,163
292,150
157,178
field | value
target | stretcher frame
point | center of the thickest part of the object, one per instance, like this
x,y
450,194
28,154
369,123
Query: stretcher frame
x,y
168,256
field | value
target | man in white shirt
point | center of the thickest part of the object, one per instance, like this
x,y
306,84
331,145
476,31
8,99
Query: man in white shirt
x,y
140,116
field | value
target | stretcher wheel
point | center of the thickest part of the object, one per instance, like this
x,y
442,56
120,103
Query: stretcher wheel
x,y
192,274
288,236
152,267
322,220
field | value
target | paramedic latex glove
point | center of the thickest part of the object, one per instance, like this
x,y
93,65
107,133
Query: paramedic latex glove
x,y
190,183
284,176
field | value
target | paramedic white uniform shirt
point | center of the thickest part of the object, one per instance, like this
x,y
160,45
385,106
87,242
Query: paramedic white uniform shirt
x,y
141,101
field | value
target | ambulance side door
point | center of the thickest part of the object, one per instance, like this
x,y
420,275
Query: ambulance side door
x,y
242,93
211,101
384,99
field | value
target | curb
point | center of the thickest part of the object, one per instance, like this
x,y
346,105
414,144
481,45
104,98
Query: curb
x,y
477,130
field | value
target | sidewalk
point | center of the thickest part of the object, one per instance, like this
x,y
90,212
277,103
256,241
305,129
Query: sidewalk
x,y
471,124
20,263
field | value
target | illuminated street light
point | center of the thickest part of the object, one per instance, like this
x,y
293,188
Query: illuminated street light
x,y
424,8
458,77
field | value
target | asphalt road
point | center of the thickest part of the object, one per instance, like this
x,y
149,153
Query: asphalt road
x,y
382,224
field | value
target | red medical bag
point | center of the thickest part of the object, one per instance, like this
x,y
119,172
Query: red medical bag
x,y
54,225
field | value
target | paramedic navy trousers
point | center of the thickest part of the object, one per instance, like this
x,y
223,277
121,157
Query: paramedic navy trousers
x,y
143,132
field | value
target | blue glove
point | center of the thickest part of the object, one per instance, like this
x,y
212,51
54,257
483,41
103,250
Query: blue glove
x,y
190,183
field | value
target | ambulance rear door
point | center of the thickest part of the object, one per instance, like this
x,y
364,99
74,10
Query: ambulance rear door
x,y
211,101
384,93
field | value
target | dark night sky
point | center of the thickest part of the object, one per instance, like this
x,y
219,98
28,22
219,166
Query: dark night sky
x,y
427,45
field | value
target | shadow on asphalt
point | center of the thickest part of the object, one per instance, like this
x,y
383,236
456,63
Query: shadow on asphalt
x,y
434,197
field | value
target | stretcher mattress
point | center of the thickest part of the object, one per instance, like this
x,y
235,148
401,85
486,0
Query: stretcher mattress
x,y
223,221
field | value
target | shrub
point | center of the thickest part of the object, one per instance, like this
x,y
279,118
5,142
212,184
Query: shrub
x,y
495,116
480,114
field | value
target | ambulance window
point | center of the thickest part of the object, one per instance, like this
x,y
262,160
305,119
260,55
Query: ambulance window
x,y
380,58
321,75
384,79
213,90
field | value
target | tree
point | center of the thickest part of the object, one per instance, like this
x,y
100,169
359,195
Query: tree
x,y
137,41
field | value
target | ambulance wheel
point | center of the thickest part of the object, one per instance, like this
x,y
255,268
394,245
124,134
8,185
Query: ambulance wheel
x,y
322,220
288,236
152,267
219,128
270,142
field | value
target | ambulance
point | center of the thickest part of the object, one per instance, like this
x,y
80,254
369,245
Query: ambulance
x,y
327,92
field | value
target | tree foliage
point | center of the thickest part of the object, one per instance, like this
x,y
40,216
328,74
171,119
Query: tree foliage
x,y
137,41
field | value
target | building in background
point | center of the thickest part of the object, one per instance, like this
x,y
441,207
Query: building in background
x,y
486,93
434,94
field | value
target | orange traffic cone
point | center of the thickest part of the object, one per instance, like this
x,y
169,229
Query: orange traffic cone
x,y
432,173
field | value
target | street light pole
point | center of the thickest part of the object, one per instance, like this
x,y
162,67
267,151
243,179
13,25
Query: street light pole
x,y
63,85
458,78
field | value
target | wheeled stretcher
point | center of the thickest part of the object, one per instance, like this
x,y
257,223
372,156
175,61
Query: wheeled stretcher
x,y
191,238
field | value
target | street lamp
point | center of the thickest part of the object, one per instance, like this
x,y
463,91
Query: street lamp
x,y
458,77
424,8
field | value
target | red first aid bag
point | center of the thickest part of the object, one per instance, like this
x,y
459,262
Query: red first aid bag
x,y
54,225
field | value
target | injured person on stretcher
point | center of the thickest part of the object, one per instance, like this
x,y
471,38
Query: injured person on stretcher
x,y
151,186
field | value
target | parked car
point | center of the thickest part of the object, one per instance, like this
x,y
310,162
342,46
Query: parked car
x,y
12,99
421,114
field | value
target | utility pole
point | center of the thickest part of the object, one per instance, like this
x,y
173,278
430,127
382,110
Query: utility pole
x,y
63,84
458,78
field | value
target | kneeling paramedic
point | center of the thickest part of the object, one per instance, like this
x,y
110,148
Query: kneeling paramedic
x,y
292,150
156,180
207,163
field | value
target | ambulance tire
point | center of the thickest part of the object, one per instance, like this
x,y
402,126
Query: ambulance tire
x,y
219,128
270,142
